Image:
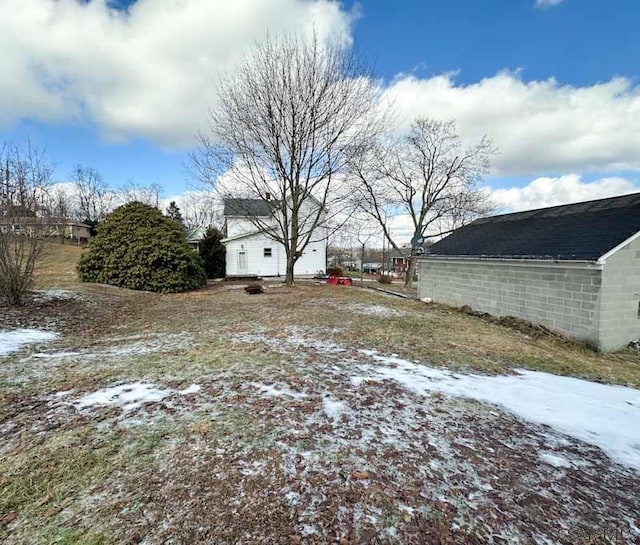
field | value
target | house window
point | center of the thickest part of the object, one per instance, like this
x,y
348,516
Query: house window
x,y
267,252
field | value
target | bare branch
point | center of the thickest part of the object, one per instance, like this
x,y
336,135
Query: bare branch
x,y
25,177
287,124
426,175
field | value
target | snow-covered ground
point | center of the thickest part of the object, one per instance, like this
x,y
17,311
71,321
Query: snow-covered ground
x,y
291,338
599,414
380,311
127,397
12,341
52,295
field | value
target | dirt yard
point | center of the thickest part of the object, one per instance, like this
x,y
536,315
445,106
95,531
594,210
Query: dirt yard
x,y
311,414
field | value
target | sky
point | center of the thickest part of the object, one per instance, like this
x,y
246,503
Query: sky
x,y
124,86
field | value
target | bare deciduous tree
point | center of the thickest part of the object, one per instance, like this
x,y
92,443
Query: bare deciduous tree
x,y
426,175
94,198
286,125
25,176
146,194
59,208
201,210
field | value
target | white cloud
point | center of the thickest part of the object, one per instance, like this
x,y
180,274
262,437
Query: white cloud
x,y
547,3
543,192
540,127
148,72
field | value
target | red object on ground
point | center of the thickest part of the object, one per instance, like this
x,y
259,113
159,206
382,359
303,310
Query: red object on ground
x,y
339,281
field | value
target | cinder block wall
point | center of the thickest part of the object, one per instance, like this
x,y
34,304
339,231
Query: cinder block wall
x,y
562,297
619,305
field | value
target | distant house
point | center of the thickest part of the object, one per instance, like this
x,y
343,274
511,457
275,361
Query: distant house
x,y
399,263
251,252
573,268
371,267
195,236
400,260
54,227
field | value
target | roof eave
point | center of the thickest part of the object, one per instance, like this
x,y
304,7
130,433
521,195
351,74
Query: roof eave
x,y
603,258
514,259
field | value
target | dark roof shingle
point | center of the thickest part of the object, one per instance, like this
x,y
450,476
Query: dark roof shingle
x,y
582,231
257,208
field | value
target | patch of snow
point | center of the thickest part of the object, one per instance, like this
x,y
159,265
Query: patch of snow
x,y
149,345
599,414
270,390
308,530
55,355
334,408
357,381
378,310
128,397
12,341
63,393
50,295
252,468
193,389
553,459
294,337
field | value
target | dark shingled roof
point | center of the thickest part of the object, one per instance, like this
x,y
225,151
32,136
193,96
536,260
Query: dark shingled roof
x,y
258,208
582,231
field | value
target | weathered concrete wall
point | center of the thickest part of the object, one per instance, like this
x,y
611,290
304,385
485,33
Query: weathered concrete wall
x,y
620,300
563,296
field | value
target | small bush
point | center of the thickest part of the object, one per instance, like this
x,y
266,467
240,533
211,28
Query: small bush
x,y
384,279
335,271
136,247
213,253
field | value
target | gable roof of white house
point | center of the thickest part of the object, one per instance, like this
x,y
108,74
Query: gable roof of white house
x,y
587,231
243,208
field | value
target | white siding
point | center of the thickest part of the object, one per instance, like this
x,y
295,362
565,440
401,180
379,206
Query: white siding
x,y
239,226
312,261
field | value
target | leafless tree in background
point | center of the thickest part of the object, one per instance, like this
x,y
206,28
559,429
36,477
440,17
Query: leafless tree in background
x,y
426,175
201,210
286,125
94,198
146,194
25,177
59,206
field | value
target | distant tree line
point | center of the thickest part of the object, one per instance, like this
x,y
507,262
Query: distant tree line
x,y
35,209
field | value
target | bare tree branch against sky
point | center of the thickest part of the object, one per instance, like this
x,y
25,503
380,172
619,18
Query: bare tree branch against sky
x,y
285,128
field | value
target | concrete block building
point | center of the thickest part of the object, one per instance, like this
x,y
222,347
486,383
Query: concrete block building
x,y
573,268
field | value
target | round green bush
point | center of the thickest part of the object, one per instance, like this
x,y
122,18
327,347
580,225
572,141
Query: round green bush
x,y
137,247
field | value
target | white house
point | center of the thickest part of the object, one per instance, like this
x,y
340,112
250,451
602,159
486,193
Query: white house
x,y
250,252
573,268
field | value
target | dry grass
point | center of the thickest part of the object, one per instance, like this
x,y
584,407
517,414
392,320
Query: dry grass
x,y
57,266
222,465
431,333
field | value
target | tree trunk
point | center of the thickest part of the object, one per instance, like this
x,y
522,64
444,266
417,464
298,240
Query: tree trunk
x,y
411,269
291,262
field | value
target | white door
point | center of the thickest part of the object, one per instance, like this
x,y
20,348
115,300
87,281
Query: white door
x,y
242,262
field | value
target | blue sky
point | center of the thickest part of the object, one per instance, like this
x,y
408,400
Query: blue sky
x,y
579,42
121,86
